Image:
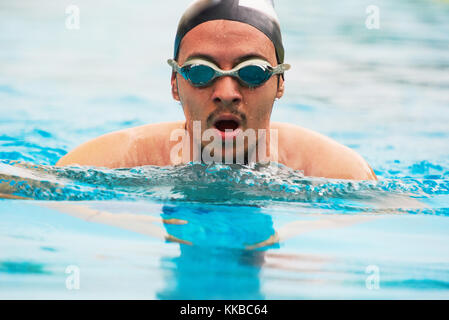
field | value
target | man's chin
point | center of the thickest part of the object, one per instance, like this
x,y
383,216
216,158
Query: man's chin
x,y
228,155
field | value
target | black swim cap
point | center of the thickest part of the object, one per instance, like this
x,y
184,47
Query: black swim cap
x,y
257,13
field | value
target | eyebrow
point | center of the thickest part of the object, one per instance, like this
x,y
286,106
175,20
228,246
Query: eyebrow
x,y
235,62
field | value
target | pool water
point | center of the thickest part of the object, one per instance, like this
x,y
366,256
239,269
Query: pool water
x,y
214,231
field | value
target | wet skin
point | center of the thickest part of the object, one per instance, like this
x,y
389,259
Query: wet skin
x,y
225,43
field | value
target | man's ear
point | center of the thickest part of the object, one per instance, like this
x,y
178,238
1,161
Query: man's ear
x,y
281,88
174,87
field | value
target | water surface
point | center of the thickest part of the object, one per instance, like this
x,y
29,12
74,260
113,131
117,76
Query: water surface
x,y
228,232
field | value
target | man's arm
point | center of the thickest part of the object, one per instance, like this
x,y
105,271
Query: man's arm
x,y
320,156
103,151
144,145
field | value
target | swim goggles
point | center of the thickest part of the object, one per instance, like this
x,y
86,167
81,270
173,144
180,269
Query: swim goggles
x,y
251,73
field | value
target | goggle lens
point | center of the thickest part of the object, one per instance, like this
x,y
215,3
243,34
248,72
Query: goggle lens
x,y
199,75
202,75
254,75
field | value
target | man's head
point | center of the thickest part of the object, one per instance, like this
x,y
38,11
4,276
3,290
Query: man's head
x,y
225,103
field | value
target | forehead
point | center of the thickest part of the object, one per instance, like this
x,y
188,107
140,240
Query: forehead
x,y
226,41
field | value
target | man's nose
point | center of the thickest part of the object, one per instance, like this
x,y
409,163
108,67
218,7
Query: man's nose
x,y
226,92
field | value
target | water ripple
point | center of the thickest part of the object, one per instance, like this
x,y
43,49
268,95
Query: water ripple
x,y
216,183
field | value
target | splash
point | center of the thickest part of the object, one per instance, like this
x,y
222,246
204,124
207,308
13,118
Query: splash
x,y
258,185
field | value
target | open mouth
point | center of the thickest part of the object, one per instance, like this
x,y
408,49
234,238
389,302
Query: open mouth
x,y
227,122
224,125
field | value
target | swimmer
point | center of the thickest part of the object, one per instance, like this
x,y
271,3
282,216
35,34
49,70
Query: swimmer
x,y
227,71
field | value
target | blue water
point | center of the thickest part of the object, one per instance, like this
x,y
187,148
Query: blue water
x,y
228,232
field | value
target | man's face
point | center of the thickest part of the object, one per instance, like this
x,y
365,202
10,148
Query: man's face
x,y
225,103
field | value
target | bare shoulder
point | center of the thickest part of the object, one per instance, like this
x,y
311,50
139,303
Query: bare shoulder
x,y
143,145
318,155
